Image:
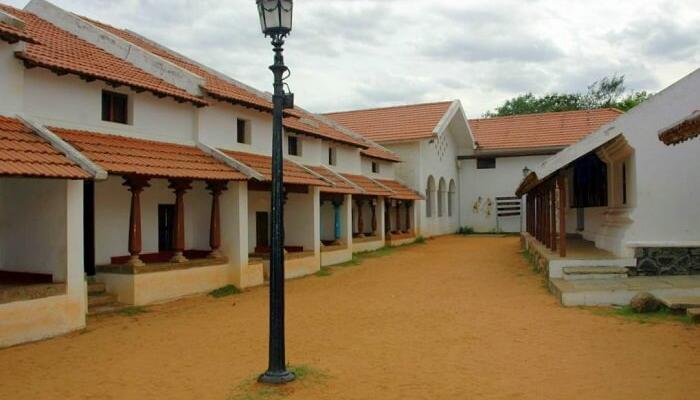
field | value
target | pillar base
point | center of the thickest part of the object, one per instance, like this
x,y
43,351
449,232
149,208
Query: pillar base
x,y
360,235
277,377
178,258
215,254
135,261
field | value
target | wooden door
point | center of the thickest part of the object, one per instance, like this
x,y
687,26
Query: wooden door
x,y
262,233
166,226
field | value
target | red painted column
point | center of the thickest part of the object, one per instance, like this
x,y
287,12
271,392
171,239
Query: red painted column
x,y
215,188
136,184
179,187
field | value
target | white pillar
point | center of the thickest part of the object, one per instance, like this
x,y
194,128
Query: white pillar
x,y
234,232
381,219
75,273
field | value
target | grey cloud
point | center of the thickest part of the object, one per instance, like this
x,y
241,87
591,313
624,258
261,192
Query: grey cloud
x,y
661,37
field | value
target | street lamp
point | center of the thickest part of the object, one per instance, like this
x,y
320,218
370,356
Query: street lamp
x,y
276,22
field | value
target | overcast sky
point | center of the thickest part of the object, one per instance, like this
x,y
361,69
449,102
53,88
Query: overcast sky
x,y
347,54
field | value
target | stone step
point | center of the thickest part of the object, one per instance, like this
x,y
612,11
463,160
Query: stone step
x,y
101,299
106,309
694,314
96,288
680,302
588,273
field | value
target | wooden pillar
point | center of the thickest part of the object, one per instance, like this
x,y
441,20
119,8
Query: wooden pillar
x,y
360,222
561,182
374,216
387,216
215,188
407,205
179,186
553,215
136,184
545,226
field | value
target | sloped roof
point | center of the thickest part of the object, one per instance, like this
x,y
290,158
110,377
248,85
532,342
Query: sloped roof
x,y
293,173
63,52
126,155
381,153
368,185
340,185
24,153
221,88
13,34
394,124
686,129
401,192
555,129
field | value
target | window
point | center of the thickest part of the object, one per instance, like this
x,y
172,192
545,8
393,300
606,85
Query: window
x,y
375,167
485,163
332,156
115,107
242,131
293,146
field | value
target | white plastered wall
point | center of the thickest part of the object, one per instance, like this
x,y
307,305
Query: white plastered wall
x,y
12,82
479,186
42,227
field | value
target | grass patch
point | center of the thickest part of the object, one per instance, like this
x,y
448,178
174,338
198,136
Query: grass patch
x,y
228,290
324,271
306,376
465,230
664,314
132,311
353,262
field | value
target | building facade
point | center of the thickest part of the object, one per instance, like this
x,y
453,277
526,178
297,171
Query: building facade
x,y
149,174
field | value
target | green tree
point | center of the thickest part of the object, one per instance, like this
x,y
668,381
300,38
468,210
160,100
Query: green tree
x,y
609,92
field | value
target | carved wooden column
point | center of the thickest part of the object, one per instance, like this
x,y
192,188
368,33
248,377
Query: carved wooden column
x,y
397,208
215,188
360,222
553,216
136,184
561,182
373,203
179,186
387,217
408,204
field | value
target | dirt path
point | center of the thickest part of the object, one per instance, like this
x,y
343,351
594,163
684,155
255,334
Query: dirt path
x,y
458,318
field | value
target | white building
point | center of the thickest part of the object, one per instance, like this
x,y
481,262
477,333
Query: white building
x,y
154,177
427,138
467,168
620,197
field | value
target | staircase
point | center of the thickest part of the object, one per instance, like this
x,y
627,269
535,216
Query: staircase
x,y
594,273
100,301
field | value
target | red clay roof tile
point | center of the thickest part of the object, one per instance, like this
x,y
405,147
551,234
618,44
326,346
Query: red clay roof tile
x,y
394,124
340,185
24,153
401,192
368,185
293,174
124,155
12,34
686,129
555,129
62,52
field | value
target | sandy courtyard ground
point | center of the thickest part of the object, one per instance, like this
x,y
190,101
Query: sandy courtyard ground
x,y
457,318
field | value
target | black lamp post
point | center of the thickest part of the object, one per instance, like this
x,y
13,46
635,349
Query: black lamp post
x,y
276,22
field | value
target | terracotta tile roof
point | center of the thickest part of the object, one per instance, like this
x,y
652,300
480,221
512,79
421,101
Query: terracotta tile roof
x,y
124,155
381,153
293,173
401,192
683,130
12,34
394,124
368,185
556,129
225,90
24,153
63,52
310,126
339,185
